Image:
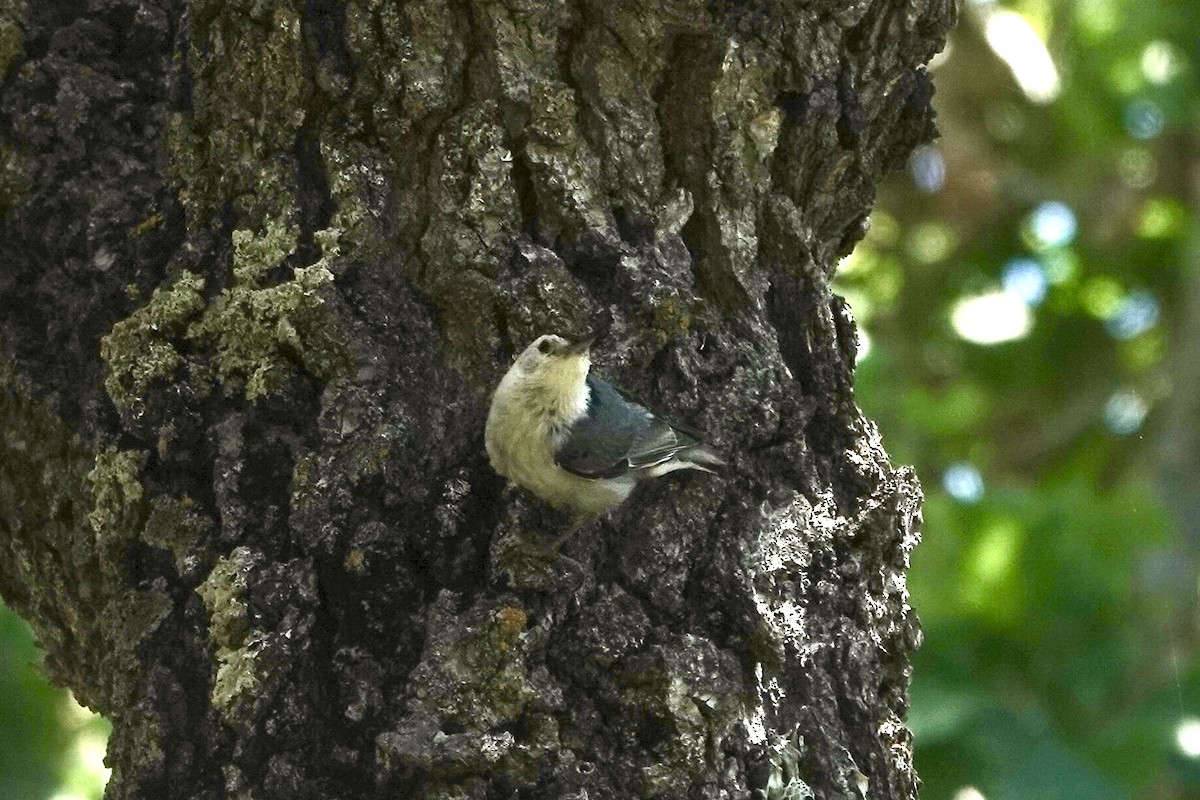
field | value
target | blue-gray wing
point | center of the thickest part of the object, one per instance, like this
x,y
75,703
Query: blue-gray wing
x,y
618,436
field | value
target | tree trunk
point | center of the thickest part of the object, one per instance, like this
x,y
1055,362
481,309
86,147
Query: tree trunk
x,y
264,261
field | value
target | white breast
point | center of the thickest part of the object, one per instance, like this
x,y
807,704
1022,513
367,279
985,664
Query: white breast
x,y
525,426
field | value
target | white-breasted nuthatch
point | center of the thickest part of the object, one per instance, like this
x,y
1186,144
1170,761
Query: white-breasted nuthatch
x,y
577,441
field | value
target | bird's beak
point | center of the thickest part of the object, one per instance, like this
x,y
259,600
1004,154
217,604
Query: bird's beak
x,y
581,346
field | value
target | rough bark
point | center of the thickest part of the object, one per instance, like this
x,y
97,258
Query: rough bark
x,y
264,260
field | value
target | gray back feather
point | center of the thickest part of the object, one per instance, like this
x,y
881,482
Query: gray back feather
x,y
618,435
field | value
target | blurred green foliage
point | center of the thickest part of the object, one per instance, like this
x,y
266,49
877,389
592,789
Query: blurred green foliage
x,y
1029,294
49,746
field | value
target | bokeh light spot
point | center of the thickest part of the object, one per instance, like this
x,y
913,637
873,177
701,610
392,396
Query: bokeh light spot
x,y
991,318
1187,737
852,263
1026,279
931,242
963,482
1125,412
1160,62
1161,218
990,565
864,346
928,168
969,793
1097,18
89,751
1051,224
1018,45
1135,314
1101,296
1144,120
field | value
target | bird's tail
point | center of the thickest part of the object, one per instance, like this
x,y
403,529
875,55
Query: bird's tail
x,y
702,457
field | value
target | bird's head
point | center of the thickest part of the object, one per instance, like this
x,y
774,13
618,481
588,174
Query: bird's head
x,y
556,364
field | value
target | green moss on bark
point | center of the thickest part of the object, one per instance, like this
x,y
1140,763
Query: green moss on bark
x,y
235,647
174,525
12,35
69,516
144,347
254,335
247,61
695,692
259,333
116,493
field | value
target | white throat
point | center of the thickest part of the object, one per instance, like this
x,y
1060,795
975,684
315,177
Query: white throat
x,y
561,389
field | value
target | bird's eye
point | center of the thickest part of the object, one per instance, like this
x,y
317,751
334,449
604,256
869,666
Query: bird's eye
x,y
544,347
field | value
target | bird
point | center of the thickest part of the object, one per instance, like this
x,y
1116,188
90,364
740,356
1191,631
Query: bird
x,y
574,439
